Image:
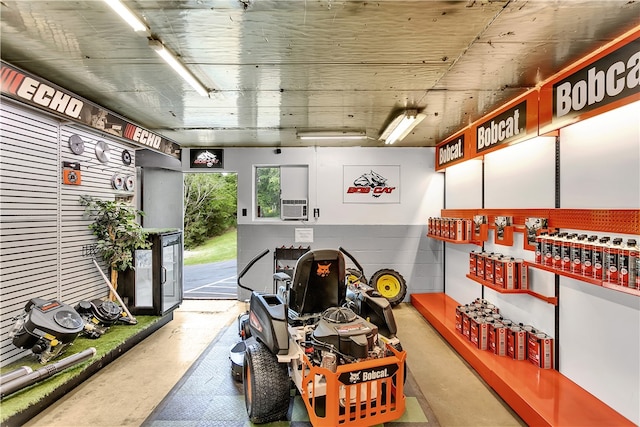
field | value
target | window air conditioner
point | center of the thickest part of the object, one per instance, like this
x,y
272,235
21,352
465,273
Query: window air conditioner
x,y
293,209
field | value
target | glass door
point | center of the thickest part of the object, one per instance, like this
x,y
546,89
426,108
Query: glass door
x,y
171,271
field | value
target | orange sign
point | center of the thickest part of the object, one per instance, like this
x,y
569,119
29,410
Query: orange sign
x,y
602,81
511,123
453,150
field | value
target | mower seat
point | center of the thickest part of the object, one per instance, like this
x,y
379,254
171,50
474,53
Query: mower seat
x,y
318,282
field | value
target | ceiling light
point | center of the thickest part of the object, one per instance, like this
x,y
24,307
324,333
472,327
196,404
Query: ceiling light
x,y
401,126
125,13
331,135
178,67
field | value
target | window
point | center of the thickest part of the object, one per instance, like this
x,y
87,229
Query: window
x,y
276,183
268,191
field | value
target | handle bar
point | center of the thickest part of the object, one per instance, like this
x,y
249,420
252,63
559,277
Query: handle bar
x,y
344,251
248,266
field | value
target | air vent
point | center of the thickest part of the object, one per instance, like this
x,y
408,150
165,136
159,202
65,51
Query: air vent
x,y
293,209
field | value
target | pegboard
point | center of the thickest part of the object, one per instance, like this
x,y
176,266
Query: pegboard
x,y
622,221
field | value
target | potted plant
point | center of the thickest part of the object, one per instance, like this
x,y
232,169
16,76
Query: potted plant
x,y
118,231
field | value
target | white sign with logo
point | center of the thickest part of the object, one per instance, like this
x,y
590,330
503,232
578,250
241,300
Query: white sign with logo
x,y
371,184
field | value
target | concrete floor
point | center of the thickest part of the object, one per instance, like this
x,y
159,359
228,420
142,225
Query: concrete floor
x,y
125,392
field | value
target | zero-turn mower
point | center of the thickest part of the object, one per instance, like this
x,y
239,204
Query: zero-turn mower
x,y
332,336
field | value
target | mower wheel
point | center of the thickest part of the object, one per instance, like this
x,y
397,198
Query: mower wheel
x,y
390,284
267,385
354,275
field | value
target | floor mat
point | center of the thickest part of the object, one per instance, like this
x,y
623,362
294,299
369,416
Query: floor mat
x,y
208,396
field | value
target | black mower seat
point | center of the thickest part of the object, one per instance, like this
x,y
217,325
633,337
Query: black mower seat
x,y
318,282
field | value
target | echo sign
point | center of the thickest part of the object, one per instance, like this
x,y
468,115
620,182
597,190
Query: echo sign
x,y
502,128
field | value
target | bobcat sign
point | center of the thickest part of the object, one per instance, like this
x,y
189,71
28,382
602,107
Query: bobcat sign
x,y
371,184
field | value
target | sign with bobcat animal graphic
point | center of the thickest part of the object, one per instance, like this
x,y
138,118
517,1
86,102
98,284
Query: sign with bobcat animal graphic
x,y
371,184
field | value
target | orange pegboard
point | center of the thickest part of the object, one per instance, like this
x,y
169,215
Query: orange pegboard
x,y
623,221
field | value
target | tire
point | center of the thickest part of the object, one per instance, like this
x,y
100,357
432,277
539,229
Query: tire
x,y
266,385
390,284
355,275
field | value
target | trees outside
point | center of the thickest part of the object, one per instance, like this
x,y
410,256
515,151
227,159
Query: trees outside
x,y
210,204
268,191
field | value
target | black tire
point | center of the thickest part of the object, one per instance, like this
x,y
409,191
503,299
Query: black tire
x,y
267,385
390,284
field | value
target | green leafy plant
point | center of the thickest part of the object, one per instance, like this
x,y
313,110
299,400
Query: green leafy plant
x,y
118,231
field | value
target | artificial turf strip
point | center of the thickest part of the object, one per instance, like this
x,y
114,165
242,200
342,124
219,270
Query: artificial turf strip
x,y
35,393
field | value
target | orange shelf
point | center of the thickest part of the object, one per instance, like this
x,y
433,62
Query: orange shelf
x,y
541,397
624,221
459,242
550,300
582,278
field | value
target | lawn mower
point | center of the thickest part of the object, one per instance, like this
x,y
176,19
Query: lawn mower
x,y
333,338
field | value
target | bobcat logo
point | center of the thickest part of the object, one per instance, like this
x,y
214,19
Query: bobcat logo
x,y
354,377
323,270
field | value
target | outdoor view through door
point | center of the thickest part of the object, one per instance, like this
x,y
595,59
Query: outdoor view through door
x,y
210,237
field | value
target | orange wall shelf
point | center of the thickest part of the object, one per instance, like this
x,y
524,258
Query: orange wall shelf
x,y
549,300
541,397
596,282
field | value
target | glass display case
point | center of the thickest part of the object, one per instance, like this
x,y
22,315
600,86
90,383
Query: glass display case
x,y
154,287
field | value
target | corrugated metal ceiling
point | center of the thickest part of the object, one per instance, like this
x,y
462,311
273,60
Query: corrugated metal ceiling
x,y
275,67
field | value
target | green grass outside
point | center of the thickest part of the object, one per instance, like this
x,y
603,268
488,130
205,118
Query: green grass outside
x,y
219,248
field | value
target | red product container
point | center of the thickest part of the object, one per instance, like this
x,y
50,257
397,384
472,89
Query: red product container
x,y
576,254
587,256
489,264
466,325
547,249
472,263
521,275
540,238
458,227
556,250
611,256
459,316
598,257
480,264
498,339
565,252
517,343
541,350
498,271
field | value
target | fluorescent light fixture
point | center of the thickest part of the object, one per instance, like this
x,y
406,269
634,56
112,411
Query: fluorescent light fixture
x,y
331,135
178,67
401,126
125,13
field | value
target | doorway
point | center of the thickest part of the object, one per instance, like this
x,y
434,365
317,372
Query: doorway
x,y
210,236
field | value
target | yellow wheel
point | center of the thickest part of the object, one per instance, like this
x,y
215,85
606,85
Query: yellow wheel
x,y
390,284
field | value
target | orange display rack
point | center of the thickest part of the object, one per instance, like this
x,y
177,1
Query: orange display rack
x,y
593,281
541,397
547,299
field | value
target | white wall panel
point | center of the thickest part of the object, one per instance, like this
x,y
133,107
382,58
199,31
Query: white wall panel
x,y
521,176
599,160
600,328
464,185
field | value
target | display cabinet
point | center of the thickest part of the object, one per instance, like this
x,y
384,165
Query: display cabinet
x,y
154,287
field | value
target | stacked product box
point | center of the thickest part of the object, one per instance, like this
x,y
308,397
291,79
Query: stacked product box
x,y
499,270
602,258
481,323
456,229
